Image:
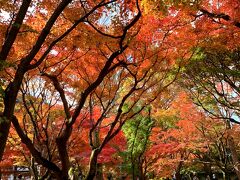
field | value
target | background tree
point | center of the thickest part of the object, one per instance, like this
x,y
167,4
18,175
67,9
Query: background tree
x,y
137,132
130,65
17,57
212,80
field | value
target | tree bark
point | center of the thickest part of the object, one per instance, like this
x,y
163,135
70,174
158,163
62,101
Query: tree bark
x,y
93,165
207,169
10,97
99,174
140,170
178,170
4,129
133,168
62,150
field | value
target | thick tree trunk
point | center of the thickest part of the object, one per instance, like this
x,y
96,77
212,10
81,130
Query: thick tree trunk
x,y
92,165
141,175
140,169
10,97
178,170
99,175
62,150
4,130
133,169
207,169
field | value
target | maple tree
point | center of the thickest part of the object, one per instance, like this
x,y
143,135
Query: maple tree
x,y
88,66
174,143
39,46
212,74
40,50
50,60
189,142
42,119
212,77
219,143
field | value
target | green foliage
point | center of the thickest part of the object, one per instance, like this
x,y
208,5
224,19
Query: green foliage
x,y
198,54
5,64
137,132
212,76
125,108
167,122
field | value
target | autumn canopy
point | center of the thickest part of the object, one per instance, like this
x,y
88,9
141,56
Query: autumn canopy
x,y
106,89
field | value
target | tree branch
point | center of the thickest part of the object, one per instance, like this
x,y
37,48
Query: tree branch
x,y
220,16
66,33
43,35
36,154
11,36
61,92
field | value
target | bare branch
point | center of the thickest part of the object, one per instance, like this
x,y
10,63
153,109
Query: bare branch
x,y
61,92
220,16
37,155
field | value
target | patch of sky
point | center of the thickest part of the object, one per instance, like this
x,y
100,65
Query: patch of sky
x,y
229,113
130,59
4,15
43,11
172,12
7,16
114,12
193,24
36,87
105,19
54,52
